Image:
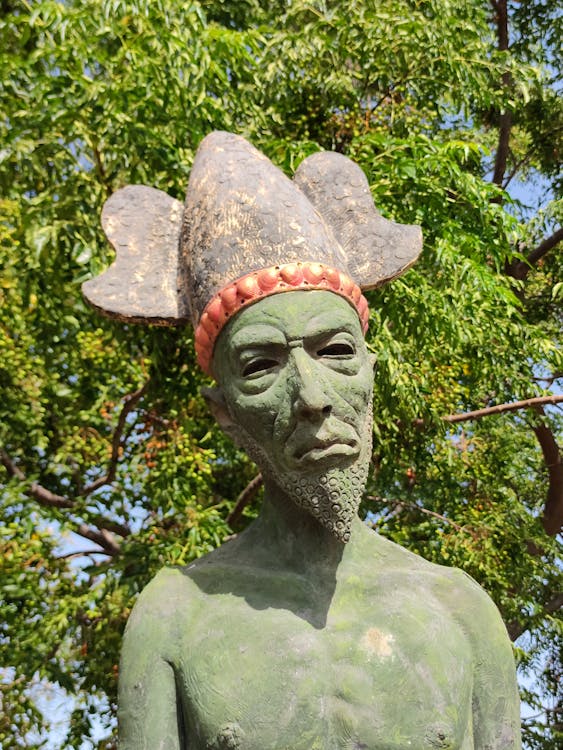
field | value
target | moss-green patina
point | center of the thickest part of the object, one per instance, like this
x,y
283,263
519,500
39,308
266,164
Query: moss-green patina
x,y
308,630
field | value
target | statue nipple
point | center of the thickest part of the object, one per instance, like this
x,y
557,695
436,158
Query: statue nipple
x,y
230,737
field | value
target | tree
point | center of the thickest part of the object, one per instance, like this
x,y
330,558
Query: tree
x,y
104,438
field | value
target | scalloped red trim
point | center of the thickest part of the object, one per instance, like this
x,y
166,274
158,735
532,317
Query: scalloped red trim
x,y
273,280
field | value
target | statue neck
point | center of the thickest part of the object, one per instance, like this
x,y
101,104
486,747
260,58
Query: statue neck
x,y
295,539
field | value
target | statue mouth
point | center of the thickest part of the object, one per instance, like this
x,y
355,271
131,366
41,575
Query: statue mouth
x,y
318,451
333,442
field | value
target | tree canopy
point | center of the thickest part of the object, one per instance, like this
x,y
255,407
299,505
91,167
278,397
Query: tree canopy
x,y
111,466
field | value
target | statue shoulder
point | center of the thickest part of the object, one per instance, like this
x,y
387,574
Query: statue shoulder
x,y
475,609
383,552
468,602
466,599
476,614
170,596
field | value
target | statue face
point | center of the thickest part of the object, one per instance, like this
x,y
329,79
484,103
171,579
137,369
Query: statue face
x,y
297,380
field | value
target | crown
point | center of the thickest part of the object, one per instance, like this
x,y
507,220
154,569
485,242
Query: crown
x,y
246,231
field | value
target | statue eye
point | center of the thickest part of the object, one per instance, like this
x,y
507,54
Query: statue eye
x,y
258,366
340,349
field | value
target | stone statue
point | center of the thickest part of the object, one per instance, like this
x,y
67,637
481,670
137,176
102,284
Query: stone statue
x,y
308,630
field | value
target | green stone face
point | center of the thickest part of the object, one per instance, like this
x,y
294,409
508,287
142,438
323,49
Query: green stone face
x,y
296,380
296,375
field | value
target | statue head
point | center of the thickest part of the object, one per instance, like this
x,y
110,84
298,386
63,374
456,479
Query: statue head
x,y
295,383
271,272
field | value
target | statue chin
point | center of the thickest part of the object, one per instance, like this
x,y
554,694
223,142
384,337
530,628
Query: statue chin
x,y
330,494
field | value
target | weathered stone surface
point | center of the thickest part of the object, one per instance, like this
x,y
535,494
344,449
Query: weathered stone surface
x,y
242,214
376,249
142,285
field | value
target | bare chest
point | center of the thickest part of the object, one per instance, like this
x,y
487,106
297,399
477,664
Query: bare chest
x,y
359,671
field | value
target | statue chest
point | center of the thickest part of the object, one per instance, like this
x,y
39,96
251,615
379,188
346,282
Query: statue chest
x,y
393,673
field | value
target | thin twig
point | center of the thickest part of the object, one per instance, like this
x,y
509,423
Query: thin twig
x,y
129,403
550,380
82,553
414,506
514,171
248,494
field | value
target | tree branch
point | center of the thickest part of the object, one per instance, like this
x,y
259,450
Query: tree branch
x,y
37,491
129,403
123,529
48,498
505,119
248,494
521,268
45,497
501,158
516,628
103,538
500,408
553,509
545,246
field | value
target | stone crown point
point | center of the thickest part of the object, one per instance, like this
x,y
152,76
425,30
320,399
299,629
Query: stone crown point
x,y
245,231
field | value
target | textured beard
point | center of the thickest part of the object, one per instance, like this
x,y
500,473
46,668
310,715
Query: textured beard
x,y
331,495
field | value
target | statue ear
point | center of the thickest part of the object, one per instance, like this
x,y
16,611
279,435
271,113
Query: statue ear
x,y
217,405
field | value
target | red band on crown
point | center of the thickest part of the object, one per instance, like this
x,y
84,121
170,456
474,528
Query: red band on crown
x,y
258,284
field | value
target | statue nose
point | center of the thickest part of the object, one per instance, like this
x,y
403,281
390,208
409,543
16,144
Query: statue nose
x,y
312,400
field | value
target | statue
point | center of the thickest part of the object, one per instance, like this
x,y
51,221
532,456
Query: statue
x,y
308,630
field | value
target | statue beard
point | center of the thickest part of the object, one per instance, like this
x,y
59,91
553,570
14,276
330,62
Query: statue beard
x,y
331,495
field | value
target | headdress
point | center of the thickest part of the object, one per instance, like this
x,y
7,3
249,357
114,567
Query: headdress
x,y
246,231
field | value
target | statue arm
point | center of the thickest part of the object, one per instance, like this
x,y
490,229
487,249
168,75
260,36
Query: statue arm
x,y
149,713
496,701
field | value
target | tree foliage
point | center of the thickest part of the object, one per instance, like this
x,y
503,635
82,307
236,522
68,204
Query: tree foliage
x,y
110,464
